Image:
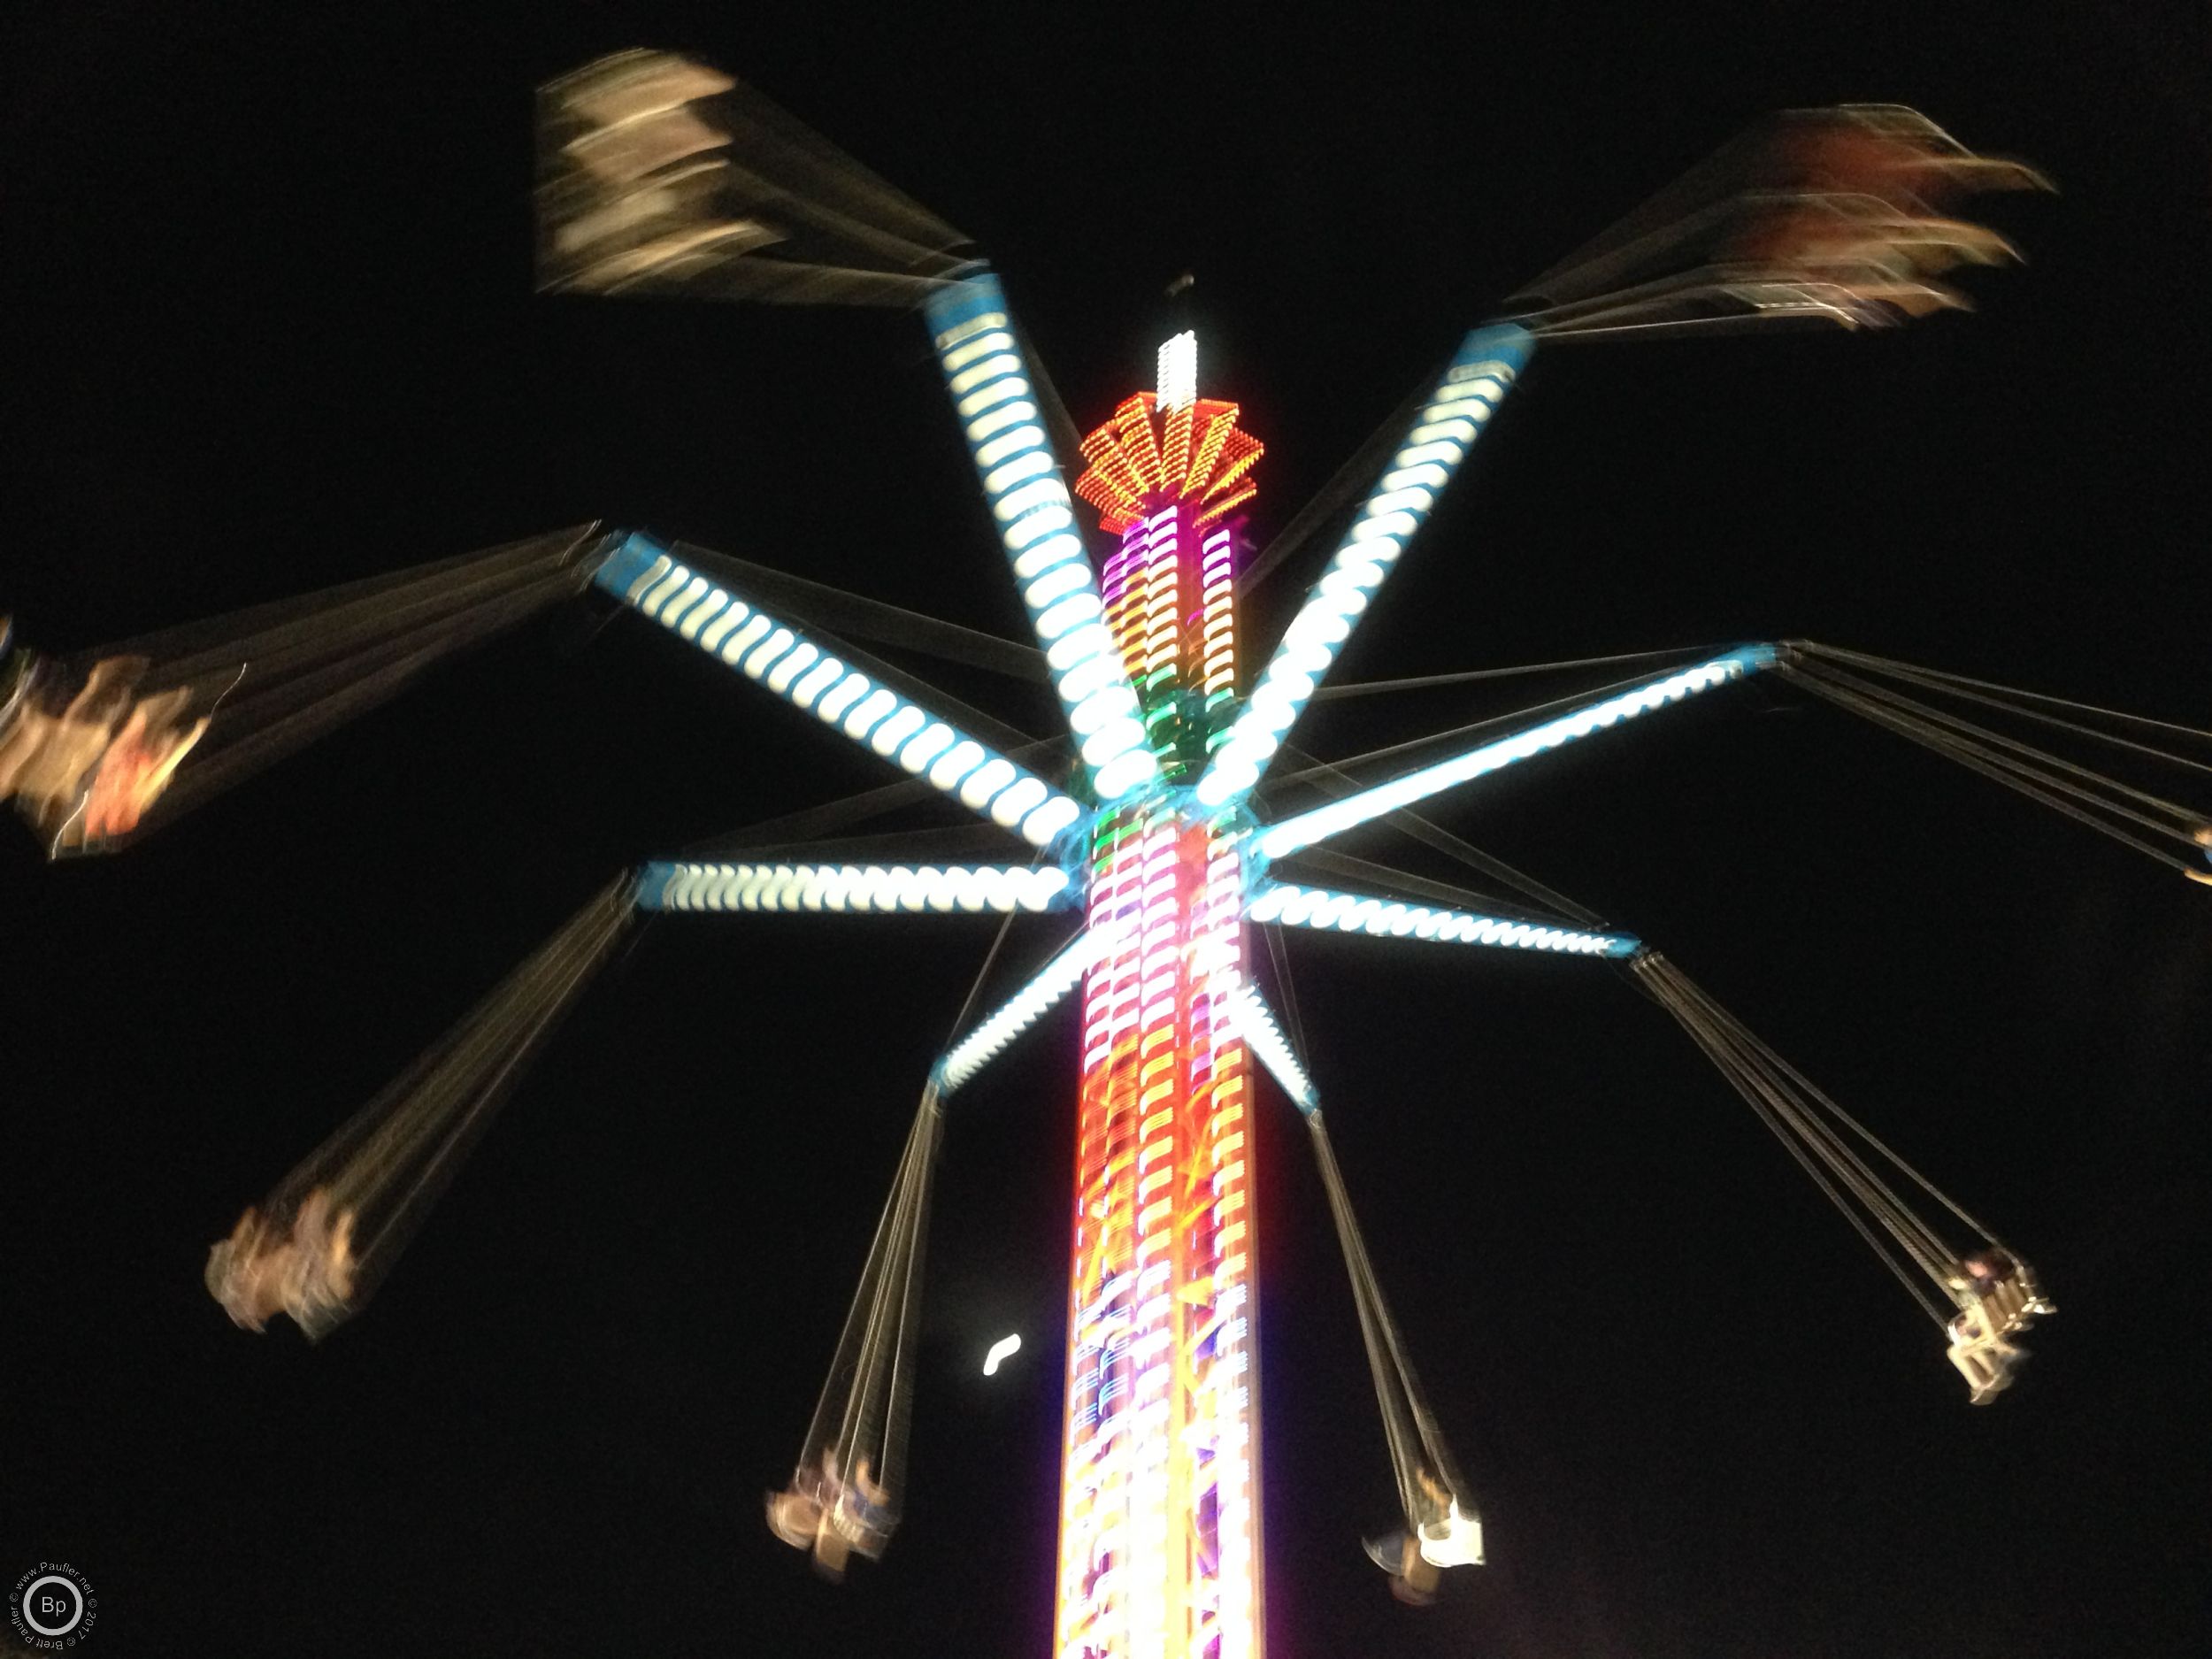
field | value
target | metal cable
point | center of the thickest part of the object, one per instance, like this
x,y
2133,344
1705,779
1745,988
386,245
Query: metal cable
x,y
1970,733
1336,495
1754,1041
1572,700
1937,682
1361,688
1931,1253
1669,985
1344,864
2036,696
1990,766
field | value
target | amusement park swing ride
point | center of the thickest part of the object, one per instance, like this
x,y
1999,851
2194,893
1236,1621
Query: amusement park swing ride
x,y
1154,821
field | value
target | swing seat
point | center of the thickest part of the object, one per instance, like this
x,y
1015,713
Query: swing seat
x,y
1454,1542
1413,1578
1983,1358
795,1518
2004,1306
1990,1312
865,1527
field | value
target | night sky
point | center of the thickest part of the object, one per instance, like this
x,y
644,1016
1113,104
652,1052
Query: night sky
x,y
269,326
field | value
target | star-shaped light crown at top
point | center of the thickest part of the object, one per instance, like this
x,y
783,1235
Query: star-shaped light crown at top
x,y
1146,456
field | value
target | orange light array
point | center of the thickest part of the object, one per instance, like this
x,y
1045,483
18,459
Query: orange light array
x,y
1216,1348
1141,456
1133,429
1094,1539
1162,604
1122,586
1175,434
1158,1523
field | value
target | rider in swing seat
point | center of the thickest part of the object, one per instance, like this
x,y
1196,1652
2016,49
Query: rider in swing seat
x,y
1997,1295
832,1517
1414,1573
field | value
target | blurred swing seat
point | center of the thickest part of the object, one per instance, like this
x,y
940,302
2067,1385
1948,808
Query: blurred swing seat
x,y
1454,1542
1990,1312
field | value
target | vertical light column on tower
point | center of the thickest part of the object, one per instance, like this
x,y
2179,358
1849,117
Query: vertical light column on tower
x,y
1098,1528
1214,1301
1160,1515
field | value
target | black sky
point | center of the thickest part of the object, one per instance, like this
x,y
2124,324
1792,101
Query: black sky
x,y
268,321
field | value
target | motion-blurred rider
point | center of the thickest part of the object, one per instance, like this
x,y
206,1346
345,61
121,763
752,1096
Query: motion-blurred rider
x,y
833,1518
1997,1295
1414,1571
307,1272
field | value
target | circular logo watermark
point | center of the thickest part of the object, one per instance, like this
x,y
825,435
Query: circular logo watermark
x,y
52,1606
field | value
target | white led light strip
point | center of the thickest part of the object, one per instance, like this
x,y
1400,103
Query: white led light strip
x,y
778,656
1030,505
1179,371
1385,918
1020,1012
1280,840
1395,509
855,887
1257,1023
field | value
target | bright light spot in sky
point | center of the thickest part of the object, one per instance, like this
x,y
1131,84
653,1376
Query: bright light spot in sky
x,y
1005,1347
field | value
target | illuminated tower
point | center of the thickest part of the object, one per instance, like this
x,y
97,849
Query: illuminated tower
x,y
1154,831
1153,838
1159,1527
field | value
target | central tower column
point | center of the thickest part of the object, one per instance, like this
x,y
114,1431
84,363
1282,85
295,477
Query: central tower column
x,y
1159,1540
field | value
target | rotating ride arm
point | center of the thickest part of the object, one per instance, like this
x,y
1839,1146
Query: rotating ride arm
x,y
706,611
1442,432
1262,1034
991,1038
1278,841
1295,906
994,393
666,885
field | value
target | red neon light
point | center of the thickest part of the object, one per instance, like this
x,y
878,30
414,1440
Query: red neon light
x,y
1140,457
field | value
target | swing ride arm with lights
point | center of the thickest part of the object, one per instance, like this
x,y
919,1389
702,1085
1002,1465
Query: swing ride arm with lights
x,y
994,395
1280,840
1442,433
686,885
1320,908
708,612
